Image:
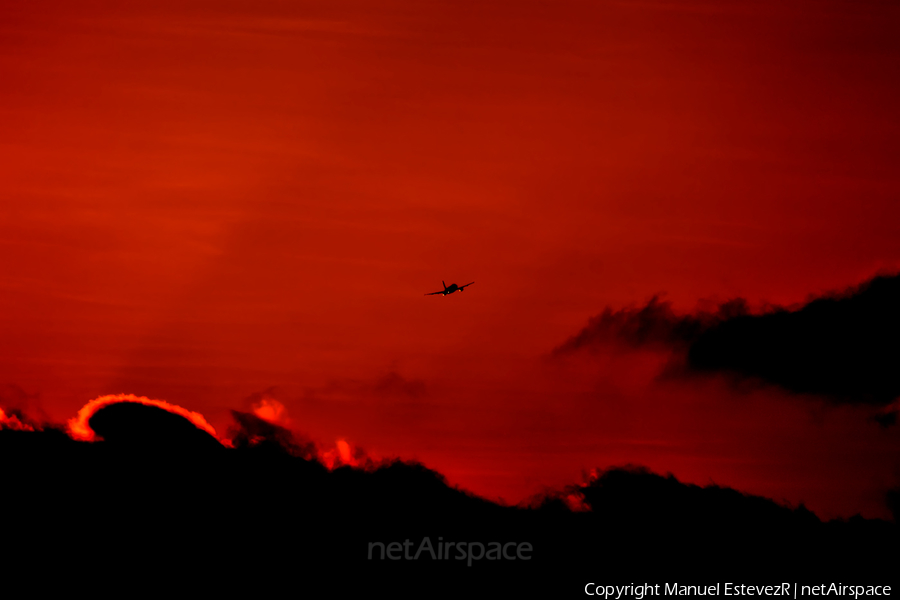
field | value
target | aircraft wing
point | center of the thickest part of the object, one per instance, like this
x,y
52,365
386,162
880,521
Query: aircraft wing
x,y
433,293
467,285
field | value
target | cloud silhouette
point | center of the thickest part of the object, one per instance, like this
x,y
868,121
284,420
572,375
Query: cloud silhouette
x,y
394,384
150,427
655,324
842,346
254,431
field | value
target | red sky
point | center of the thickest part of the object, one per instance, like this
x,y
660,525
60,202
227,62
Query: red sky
x,y
201,201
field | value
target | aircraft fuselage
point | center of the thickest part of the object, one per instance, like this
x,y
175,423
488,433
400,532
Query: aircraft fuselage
x,y
449,289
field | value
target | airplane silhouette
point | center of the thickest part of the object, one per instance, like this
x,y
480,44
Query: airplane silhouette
x,y
449,290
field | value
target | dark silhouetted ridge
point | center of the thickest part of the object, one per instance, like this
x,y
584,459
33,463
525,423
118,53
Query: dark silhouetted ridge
x,y
265,518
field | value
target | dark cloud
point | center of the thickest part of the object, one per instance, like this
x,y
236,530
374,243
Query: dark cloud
x,y
842,346
256,397
389,385
655,324
394,384
252,431
141,426
260,516
886,419
24,404
12,396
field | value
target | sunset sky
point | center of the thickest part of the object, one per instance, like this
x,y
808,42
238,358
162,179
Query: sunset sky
x,y
214,203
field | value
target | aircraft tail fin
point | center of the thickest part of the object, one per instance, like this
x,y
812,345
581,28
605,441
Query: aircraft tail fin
x,y
445,285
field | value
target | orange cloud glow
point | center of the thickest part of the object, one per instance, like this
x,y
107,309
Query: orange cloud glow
x,y
271,410
79,428
343,455
13,422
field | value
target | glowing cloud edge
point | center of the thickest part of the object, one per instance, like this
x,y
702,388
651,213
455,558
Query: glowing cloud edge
x,y
79,429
